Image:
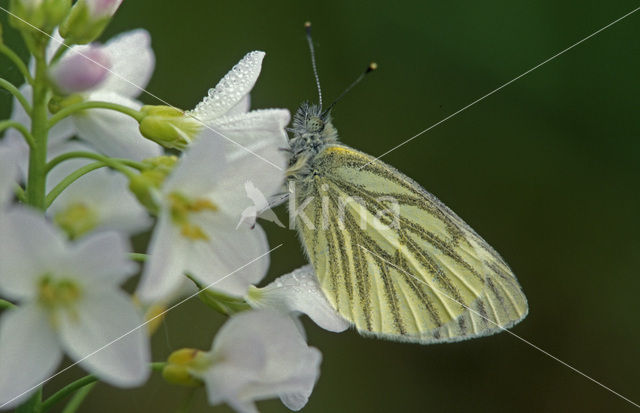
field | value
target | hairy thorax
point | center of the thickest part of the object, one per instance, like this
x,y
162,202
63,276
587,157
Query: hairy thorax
x,y
312,131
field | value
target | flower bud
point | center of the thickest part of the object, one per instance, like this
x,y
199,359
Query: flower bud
x,y
181,363
146,184
36,15
88,19
168,126
80,71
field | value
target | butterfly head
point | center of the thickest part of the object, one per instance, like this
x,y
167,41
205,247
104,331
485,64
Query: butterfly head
x,y
312,127
312,130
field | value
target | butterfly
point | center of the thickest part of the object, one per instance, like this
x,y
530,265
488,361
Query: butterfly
x,y
389,256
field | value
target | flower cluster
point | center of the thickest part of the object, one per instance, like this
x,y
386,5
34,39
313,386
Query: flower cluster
x,y
84,166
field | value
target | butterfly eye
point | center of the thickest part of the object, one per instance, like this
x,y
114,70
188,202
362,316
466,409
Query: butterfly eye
x,y
315,124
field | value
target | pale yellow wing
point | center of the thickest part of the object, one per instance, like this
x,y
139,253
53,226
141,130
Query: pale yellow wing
x,y
395,261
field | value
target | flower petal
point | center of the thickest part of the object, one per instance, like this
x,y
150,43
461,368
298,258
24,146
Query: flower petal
x,y
240,107
163,272
253,146
299,291
29,248
114,133
199,168
60,131
9,157
290,368
231,259
63,169
29,353
106,195
231,89
100,260
132,63
106,336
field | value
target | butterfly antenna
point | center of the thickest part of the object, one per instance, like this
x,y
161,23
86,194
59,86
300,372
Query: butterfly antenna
x,y
307,27
372,66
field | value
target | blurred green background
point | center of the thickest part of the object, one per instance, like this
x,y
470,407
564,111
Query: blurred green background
x,y
547,170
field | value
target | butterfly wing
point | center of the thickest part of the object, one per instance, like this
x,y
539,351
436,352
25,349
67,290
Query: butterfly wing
x,y
395,261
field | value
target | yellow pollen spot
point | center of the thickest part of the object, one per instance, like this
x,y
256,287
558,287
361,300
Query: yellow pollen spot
x,y
58,294
193,232
182,208
77,219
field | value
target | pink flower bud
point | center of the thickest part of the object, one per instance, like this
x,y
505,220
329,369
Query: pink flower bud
x,y
99,9
79,71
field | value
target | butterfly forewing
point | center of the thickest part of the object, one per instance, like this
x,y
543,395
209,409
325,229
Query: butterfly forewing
x,y
397,262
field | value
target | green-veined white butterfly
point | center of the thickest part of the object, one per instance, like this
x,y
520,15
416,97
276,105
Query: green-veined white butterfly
x,y
390,257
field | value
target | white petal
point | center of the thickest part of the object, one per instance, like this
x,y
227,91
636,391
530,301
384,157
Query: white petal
x,y
21,150
100,260
65,168
299,291
29,353
231,259
105,334
132,63
290,368
114,133
240,107
163,272
231,89
9,157
106,194
29,248
253,150
199,168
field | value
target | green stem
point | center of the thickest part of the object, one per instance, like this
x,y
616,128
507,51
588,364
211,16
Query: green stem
x,y
69,179
32,404
5,84
91,155
66,391
22,67
78,398
19,192
6,124
79,384
4,304
78,107
219,301
40,131
136,256
59,52
75,175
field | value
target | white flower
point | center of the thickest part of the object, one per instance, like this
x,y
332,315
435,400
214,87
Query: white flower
x,y
253,140
196,232
68,300
203,198
257,355
109,132
99,200
298,292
